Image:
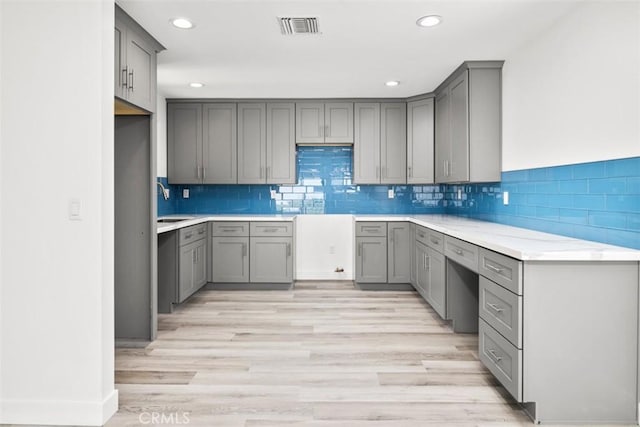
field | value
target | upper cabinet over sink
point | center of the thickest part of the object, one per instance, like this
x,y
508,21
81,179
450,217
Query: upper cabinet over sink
x,y
468,135
135,63
324,123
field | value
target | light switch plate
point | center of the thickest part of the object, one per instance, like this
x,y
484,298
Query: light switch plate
x,y
75,210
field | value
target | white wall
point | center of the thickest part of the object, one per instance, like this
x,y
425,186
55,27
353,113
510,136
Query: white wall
x,y
572,94
56,275
316,237
161,143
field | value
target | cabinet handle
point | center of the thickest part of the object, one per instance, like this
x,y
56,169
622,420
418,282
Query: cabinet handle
x,y
426,262
131,79
194,257
198,172
360,249
496,358
436,241
244,249
327,131
288,249
204,173
493,268
409,172
421,235
188,236
201,231
458,251
124,77
495,307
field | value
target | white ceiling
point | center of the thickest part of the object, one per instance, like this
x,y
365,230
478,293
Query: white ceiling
x,y
237,50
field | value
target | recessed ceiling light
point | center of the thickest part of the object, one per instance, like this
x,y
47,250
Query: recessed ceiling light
x,y
429,21
392,83
182,23
196,84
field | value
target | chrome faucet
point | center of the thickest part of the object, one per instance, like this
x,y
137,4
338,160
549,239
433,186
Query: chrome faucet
x,y
165,192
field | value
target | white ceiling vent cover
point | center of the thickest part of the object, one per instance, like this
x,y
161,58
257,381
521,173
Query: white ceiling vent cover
x,y
290,26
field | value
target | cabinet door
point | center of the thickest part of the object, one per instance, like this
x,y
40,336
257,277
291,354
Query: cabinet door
x,y
412,244
420,142
310,122
459,122
271,260
186,274
436,292
219,152
399,256
393,143
366,148
252,137
443,135
141,73
338,120
230,259
120,59
281,144
184,143
422,276
200,267
371,259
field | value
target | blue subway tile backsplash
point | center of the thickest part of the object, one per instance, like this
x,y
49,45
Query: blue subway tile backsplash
x,y
597,201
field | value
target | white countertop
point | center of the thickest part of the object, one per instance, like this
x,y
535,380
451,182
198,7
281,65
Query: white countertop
x,y
519,243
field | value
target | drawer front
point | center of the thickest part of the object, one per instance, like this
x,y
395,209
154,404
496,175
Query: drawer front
x,y
229,229
271,229
422,234
193,233
373,229
501,358
436,241
461,252
502,310
501,269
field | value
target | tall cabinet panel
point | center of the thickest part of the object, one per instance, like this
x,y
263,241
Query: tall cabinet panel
x,y
458,167
366,149
338,118
420,142
219,144
252,137
184,143
399,256
281,144
393,143
442,144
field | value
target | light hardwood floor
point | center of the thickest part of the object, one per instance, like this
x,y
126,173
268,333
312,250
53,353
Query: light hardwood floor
x,y
324,354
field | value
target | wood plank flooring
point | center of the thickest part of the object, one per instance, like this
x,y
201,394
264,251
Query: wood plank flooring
x,y
322,355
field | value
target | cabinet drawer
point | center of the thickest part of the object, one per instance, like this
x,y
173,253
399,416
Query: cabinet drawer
x,y
271,229
461,252
501,269
501,358
235,229
502,310
422,234
377,229
436,241
193,233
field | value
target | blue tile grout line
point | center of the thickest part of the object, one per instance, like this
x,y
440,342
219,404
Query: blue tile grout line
x,y
597,201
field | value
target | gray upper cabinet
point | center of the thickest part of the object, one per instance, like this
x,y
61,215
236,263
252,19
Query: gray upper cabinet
x,y
135,62
281,144
319,123
184,143
366,148
468,124
219,152
252,143
399,245
201,143
420,142
393,143
380,143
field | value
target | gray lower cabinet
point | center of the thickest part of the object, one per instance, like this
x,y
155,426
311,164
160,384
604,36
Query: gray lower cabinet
x,y
192,260
371,259
271,260
422,272
430,269
230,259
413,266
399,252
468,124
436,288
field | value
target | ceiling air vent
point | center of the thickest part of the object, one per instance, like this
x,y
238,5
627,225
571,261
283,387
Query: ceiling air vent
x,y
290,26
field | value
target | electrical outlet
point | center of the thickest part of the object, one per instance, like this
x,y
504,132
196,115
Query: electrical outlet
x,y
273,194
459,194
185,193
391,193
505,198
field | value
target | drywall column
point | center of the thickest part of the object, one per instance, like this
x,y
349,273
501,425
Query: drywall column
x,y
56,215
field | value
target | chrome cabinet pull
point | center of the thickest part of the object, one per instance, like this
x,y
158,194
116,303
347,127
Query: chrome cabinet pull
x,y
436,241
360,249
198,172
204,173
327,131
188,236
496,308
409,172
131,79
201,231
288,249
497,359
458,251
493,268
421,235
244,249
125,82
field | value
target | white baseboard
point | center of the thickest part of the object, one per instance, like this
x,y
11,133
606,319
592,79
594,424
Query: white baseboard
x,y
58,412
323,275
